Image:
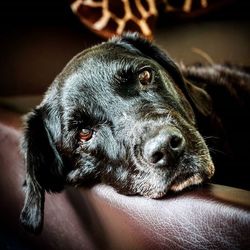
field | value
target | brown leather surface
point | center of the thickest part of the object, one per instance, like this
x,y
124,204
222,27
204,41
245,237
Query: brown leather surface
x,y
210,217
207,218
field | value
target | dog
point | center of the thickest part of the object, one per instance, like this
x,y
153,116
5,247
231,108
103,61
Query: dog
x,y
125,114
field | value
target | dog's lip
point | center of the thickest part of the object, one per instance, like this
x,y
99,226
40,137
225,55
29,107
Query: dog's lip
x,y
181,183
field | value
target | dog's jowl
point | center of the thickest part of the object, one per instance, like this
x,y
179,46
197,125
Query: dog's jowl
x,y
123,113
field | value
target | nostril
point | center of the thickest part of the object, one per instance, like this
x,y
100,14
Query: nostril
x,y
176,142
176,145
156,157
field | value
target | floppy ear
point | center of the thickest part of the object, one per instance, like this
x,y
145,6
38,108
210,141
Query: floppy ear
x,y
44,168
197,97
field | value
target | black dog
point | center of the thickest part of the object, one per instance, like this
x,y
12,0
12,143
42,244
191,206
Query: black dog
x,y
121,113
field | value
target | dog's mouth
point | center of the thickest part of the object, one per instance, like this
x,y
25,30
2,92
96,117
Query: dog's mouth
x,y
180,182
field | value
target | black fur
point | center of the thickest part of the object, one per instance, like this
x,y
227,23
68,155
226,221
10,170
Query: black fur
x,y
100,90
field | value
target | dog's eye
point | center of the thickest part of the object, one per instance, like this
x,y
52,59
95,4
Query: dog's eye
x,y
145,76
86,134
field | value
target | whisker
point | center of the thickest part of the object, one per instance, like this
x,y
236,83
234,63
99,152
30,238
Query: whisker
x,y
210,137
214,150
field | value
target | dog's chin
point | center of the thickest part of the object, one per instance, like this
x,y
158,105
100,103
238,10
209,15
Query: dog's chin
x,y
177,185
155,195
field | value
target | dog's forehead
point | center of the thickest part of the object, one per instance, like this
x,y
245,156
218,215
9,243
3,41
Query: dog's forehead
x,y
99,64
109,54
111,50
103,71
95,71
90,75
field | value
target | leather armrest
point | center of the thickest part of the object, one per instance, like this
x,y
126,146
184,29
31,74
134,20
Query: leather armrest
x,y
209,217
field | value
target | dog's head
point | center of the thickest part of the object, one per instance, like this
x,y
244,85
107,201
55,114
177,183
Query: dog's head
x,y
119,113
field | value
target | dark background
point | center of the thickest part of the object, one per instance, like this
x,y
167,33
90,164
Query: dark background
x,y
38,38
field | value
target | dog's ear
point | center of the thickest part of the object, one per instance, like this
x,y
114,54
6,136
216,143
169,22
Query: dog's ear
x,y
43,165
200,98
195,95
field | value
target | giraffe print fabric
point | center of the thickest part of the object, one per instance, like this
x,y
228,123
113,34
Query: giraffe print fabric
x,y
114,17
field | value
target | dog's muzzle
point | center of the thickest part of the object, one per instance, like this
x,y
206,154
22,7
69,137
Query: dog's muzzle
x,y
168,158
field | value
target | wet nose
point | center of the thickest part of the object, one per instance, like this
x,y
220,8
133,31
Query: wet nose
x,y
165,147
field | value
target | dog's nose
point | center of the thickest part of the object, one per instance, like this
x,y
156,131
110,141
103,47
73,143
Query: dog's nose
x,y
165,147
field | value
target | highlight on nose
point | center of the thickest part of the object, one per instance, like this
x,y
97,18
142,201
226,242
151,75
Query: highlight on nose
x,y
164,148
